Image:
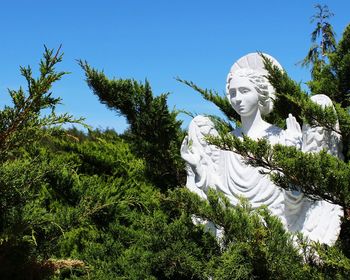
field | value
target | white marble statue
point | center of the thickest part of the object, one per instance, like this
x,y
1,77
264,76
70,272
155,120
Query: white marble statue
x,y
251,96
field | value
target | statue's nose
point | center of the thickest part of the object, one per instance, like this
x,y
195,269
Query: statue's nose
x,y
238,96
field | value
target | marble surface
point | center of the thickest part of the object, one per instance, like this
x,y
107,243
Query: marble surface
x,y
251,96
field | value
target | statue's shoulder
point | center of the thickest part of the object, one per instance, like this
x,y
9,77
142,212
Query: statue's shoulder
x,y
273,130
237,132
271,133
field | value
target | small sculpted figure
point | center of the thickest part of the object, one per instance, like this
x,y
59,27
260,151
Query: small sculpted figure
x,y
251,96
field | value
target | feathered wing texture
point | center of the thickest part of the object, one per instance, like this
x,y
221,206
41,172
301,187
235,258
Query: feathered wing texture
x,y
322,218
317,138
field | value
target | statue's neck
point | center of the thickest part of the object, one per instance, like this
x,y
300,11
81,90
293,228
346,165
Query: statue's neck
x,y
254,126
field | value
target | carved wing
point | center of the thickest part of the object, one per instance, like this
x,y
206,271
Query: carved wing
x,y
322,219
315,139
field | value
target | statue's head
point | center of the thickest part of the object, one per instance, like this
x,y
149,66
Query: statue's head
x,y
200,127
248,91
247,88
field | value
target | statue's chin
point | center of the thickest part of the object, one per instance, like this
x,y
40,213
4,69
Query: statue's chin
x,y
247,112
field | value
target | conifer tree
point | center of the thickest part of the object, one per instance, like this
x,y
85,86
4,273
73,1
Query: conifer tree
x,y
154,132
323,31
23,125
80,205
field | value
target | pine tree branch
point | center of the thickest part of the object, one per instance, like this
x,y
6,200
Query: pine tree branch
x,y
317,175
24,116
221,102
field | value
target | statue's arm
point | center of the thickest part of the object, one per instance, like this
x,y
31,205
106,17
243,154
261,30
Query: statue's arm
x,y
199,155
197,162
191,154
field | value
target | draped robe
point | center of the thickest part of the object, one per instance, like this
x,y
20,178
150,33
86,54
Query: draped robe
x,y
227,172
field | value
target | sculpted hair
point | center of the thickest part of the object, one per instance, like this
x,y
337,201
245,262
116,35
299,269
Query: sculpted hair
x,y
262,86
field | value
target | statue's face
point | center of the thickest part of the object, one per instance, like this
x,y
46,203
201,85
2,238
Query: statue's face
x,y
243,96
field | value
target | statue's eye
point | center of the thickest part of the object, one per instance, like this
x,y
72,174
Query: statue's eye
x,y
244,90
232,92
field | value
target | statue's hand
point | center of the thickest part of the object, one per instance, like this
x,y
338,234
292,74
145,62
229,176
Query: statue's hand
x,y
292,125
190,154
293,132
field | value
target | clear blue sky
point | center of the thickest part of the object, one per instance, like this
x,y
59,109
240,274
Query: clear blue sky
x,y
155,40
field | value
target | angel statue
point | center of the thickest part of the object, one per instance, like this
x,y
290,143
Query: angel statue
x,y
251,96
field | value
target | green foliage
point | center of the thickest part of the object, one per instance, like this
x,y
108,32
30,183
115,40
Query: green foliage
x,y
332,78
290,95
110,218
99,205
154,132
221,102
319,176
330,81
318,51
255,244
21,123
90,201
22,126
